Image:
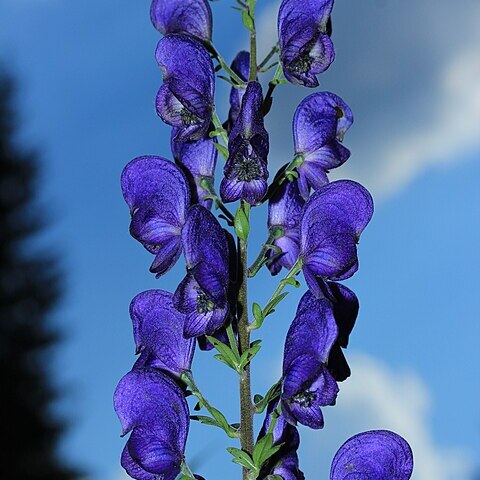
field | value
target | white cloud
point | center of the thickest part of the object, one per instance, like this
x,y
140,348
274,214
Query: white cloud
x,y
377,397
411,76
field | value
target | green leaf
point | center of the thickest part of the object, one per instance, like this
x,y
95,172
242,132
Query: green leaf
x,y
242,458
241,222
292,281
270,307
262,402
264,449
222,149
227,355
222,359
257,313
247,356
220,418
248,21
205,420
257,398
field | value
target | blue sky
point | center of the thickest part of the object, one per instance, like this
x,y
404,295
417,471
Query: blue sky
x,y
87,81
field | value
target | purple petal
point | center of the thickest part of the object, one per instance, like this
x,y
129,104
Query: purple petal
x,y
204,241
182,16
158,330
157,194
377,454
152,453
290,246
305,45
304,405
347,200
185,100
320,118
332,222
133,468
241,66
252,191
246,170
204,315
313,331
285,207
153,406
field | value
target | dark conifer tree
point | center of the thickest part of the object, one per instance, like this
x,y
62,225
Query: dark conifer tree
x,y
30,287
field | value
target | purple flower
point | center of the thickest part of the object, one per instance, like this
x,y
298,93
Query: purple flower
x,y
284,215
285,461
198,160
203,294
304,30
156,191
151,406
241,66
185,100
307,382
158,333
319,124
332,222
377,454
183,16
246,171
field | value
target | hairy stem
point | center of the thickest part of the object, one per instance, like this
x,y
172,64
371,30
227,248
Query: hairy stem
x,y
246,405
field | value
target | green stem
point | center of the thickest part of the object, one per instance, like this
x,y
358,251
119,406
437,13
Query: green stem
x,y
270,54
219,127
297,266
279,179
207,184
260,260
246,405
186,470
224,64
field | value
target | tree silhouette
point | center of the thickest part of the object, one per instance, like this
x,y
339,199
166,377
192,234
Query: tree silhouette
x,y
30,287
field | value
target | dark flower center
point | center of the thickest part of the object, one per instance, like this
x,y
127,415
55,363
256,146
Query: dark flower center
x,y
302,63
304,399
204,304
247,169
188,118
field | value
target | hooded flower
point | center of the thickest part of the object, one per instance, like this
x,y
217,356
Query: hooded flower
x,y
241,66
203,294
157,193
198,160
246,171
307,382
183,16
285,461
284,215
319,124
185,100
304,30
158,332
332,222
377,454
151,406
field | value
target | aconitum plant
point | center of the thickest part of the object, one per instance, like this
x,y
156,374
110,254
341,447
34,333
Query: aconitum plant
x,y
314,226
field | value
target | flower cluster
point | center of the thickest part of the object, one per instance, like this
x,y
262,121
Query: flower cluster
x,y
314,227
